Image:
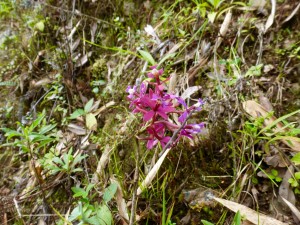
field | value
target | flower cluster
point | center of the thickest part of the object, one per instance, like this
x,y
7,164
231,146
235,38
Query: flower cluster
x,y
156,105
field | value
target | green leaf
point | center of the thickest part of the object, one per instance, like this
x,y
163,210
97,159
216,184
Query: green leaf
x,y
168,56
79,192
110,192
78,159
254,71
58,161
77,170
76,213
40,26
76,113
215,3
89,187
47,128
105,215
296,159
206,222
86,214
211,16
91,121
277,121
237,218
271,176
297,175
294,131
88,105
147,57
11,133
35,137
37,122
274,172
94,220
293,182
45,142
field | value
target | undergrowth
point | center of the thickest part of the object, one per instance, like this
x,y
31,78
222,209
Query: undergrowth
x,y
72,150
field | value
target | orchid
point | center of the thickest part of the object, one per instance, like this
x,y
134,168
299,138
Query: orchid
x,y
156,106
156,134
155,73
191,129
131,91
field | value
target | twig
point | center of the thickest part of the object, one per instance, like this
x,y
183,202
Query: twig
x,y
17,207
135,184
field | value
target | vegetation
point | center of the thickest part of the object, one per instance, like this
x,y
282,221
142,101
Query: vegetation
x,y
149,112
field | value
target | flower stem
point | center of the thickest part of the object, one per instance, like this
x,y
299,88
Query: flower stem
x,y
170,142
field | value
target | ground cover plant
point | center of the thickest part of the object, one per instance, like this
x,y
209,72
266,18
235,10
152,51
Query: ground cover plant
x,y
149,112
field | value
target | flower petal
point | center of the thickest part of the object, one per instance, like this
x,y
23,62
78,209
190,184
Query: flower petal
x,y
148,116
151,143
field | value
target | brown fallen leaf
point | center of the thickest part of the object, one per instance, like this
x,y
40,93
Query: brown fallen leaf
x,y
293,208
271,17
150,176
292,14
102,164
104,107
256,110
285,189
77,129
122,208
250,214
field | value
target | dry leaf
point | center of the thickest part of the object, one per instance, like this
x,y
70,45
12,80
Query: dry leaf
x,y
75,44
257,4
83,60
224,28
152,173
95,106
172,83
271,16
102,164
122,208
265,102
285,190
186,219
190,91
292,14
67,216
41,222
251,215
107,105
70,36
293,208
76,129
275,161
150,31
174,48
246,222
93,30
90,121
39,83
256,110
